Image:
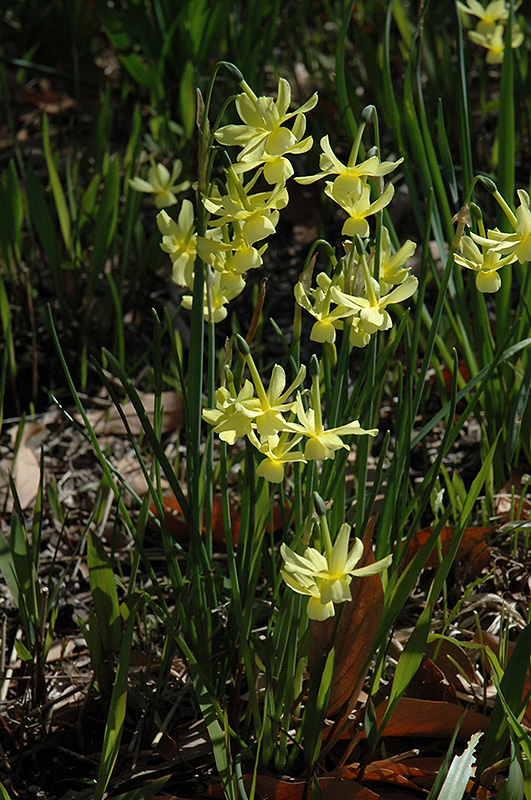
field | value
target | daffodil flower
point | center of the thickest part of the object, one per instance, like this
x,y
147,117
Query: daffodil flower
x,y
255,216
230,418
327,578
263,118
272,152
358,206
321,444
392,269
220,295
179,241
494,41
372,308
517,244
160,183
269,406
488,16
277,451
349,176
317,303
485,262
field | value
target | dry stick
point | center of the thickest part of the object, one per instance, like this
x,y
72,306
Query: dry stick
x,y
257,312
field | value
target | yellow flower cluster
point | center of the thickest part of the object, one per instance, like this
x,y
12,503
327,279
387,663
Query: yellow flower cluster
x,y
489,32
274,424
366,283
240,219
486,252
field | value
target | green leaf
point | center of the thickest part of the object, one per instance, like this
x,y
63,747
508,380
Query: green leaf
x,y
57,190
187,99
104,594
117,707
144,792
106,219
454,787
511,690
22,651
42,222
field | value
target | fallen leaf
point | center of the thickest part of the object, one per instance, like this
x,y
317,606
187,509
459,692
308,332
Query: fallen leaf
x,y
429,683
473,546
332,788
46,99
354,638
178,527
109,421
509,500
431,718
26,469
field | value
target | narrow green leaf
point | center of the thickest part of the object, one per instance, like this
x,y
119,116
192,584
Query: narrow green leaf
x,y
106,219
144,792
57,190
43,223
117,707
187,98
516,414
104,594
511,688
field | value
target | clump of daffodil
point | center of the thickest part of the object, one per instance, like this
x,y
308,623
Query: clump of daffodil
x,y
325,575
489,31
239,218
161,183
353,297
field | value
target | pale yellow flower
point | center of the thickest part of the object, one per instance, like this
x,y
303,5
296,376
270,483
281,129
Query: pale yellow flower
x,y
269,406
392,269
327,579
349,176
277,451
493,41
372,309
485,263
262,131
321,444
230,418
179,241
517,244
317,302
254,216
488,16
220,296
358,206
160,183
